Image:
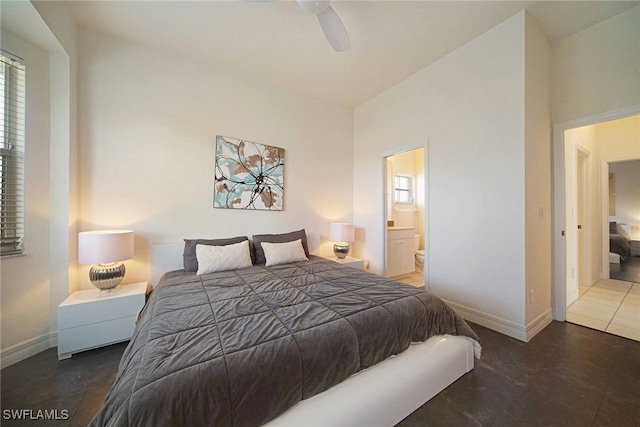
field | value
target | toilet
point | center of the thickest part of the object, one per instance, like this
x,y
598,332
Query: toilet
x,y
419,253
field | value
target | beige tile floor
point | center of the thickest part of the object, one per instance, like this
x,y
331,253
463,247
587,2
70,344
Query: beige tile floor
x,y
414,279
610,305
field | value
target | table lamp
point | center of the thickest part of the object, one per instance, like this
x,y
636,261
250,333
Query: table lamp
x,y
341,233
106,249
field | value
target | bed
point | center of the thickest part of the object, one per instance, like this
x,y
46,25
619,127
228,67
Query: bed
x,y
619,241
306,342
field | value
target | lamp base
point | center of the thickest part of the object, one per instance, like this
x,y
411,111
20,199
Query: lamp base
x,y
106,276
341,250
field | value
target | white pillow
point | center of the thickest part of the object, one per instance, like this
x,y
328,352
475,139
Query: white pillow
x,y
283,253
221,258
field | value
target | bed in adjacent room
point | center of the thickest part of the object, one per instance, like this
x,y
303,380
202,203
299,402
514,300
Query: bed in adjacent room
x,y
619,241
266,333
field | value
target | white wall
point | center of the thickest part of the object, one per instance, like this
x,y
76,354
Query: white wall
x,y
34,284
25,278
470,106
147,128
596,70
538,178
63,153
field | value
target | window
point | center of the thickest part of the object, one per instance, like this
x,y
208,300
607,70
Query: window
x,y
403,186
12,129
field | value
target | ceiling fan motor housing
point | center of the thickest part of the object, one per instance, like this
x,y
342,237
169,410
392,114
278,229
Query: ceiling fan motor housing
x,y
313,6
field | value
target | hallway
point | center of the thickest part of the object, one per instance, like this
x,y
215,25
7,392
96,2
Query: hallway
x,y
611,306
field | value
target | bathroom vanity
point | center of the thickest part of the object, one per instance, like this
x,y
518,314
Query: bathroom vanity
x,y
400,251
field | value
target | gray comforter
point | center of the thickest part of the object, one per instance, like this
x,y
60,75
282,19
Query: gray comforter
x,y
238,348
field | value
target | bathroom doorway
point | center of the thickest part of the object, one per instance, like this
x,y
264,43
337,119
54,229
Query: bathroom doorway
x,y
405,216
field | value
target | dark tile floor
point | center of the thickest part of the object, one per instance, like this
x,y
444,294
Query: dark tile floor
x,y
628,270
77,385
567,375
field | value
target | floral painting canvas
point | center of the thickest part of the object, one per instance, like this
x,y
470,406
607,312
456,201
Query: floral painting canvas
x,y
248,175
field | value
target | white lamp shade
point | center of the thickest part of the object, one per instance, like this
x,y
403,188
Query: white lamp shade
x,y
106,246
342,232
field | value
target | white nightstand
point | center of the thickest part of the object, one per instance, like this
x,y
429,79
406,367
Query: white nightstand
x,y
350,261
92,318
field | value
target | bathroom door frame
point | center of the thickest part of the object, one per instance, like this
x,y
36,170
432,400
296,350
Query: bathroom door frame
x,y
400,149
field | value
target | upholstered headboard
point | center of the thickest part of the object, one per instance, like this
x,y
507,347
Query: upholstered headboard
x,y
168,256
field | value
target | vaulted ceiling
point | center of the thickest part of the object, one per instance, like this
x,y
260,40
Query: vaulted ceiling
x,y
279,43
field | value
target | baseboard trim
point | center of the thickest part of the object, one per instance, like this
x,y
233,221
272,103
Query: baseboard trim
x,y
539,323
28,348
504,326
490,321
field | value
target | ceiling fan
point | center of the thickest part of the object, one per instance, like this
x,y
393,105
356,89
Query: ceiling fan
x,y
330,22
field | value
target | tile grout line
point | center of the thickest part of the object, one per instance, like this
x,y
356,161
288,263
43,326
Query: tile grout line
x,y
595,417
617,308
619,305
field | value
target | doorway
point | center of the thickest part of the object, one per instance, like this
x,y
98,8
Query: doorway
x,y
405,216
623,194
583,151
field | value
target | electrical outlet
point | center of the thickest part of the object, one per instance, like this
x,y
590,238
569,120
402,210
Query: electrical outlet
x,y
541,212
531,296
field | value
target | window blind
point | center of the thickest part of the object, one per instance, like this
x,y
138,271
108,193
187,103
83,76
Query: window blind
x,y
12,144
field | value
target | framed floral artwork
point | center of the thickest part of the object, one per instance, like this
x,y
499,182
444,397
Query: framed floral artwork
x,y
248,175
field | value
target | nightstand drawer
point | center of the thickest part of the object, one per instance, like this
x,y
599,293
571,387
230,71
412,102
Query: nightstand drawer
x,y
92,318
95,335
94,306
350,261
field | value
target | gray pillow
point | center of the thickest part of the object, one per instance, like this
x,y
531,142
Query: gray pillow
x,y
189,256
258,252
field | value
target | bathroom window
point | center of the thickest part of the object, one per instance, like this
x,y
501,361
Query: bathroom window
x,y
403,189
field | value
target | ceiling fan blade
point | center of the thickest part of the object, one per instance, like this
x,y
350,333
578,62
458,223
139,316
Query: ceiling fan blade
x,y
334,29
